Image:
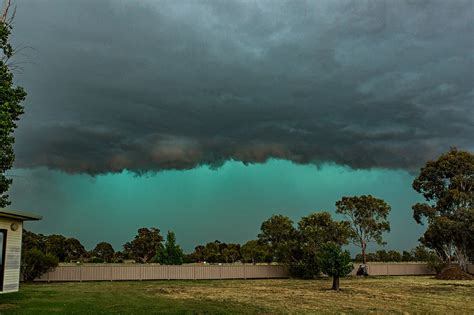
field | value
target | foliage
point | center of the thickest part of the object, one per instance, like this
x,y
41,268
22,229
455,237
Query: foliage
x,y
447,185
215,252
335,262
314,231
197,256
32,240
64,249
436,264
118,257
279,233
104,251
74,250
231,253
212,252
34,263
407,256
171,254
146,244
55,245
11,109
255,251
368,218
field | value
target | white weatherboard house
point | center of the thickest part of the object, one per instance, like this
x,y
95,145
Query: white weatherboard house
x,y
11,228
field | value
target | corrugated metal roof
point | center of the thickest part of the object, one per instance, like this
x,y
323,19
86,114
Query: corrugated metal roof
x,y
20,215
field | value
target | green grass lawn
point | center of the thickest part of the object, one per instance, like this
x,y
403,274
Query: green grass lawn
x,y
373,294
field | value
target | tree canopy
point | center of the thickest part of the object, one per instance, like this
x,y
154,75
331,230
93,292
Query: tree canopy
x,y
447,185
368,219
171,254
335,262
280,234
11,109
146,244
104,251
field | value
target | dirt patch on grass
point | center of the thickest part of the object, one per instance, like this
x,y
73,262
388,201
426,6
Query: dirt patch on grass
x,y
453,273
7,306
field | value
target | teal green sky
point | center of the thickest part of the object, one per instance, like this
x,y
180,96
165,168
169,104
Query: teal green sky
x,y
203,204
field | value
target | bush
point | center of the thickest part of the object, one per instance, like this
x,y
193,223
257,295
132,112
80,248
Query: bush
x,y
436,264
304,271
96,260
35,263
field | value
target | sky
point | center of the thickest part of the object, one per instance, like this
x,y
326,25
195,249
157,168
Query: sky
x,y
207,117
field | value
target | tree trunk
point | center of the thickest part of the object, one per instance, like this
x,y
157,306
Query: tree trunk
x,y
335,283
364,257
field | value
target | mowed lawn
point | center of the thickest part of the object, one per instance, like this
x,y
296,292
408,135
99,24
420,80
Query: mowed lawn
x,y
373,294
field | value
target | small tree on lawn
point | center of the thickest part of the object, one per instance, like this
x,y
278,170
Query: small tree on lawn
x,y
335,262
315,230
368,218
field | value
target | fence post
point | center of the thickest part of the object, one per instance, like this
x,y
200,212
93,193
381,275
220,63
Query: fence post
x,y
111,272
168,271
245,274
194,272
80,274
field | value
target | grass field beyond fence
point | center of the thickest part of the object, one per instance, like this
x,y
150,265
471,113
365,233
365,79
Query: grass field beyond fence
x,y
273,296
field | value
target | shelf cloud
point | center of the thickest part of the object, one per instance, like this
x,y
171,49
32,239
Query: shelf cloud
x,y
154,85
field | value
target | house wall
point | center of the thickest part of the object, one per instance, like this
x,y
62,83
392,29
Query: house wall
x,y
11,277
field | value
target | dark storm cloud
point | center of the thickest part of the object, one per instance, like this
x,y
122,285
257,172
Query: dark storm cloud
x,y
152,85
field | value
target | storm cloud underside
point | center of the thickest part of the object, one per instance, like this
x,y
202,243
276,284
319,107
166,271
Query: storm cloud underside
x,y
154,85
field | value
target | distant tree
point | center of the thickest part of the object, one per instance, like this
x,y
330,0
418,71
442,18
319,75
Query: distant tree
x,y
335,262
368,218
145,245
55,245
11,109
382,255
447,185
171,254
31,240
104,251
279,233
394,256
421,253
231,253
314,231
255,251
197,256
118,257
407,256
34,263
73,249
212,252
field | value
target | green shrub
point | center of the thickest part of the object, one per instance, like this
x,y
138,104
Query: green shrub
x,y
35,263
436,264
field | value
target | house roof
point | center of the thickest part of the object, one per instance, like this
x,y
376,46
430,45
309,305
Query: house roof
x,y
19,215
